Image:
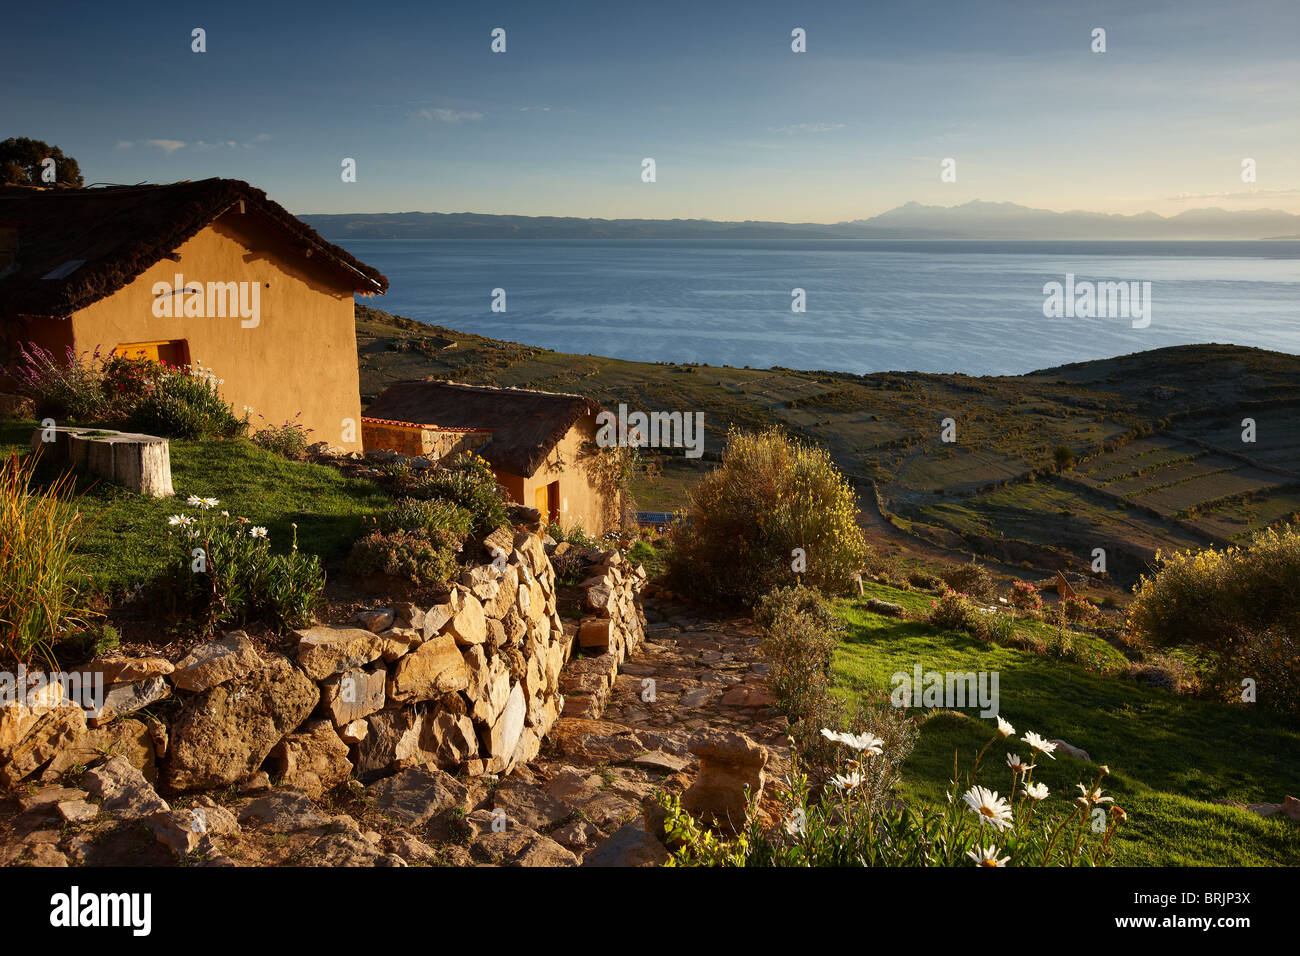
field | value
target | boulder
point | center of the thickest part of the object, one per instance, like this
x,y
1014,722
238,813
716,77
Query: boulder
x,y
392,741
380,619
399,641
313,759
418,794
628,846
730,764
354,694
330,649
435,668
450,738
216,662
121,669
503,735
468,626
123,699
225,733
123,789
48,733
129,738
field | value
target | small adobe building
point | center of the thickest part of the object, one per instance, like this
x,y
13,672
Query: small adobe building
x,y
210,272
541,445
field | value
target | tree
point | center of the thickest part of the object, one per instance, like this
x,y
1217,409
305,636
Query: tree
x,y
1063,457
23,161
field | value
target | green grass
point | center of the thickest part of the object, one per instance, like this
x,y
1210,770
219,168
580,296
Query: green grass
x,y
1170,756
127,544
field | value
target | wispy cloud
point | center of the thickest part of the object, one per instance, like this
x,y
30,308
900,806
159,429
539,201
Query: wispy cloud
x,y
167,145
806,128
124,144
448,116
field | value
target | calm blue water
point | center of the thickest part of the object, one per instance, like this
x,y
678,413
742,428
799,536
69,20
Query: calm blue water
x,y
974,307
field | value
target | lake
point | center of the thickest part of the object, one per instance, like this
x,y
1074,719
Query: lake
x,y
974,307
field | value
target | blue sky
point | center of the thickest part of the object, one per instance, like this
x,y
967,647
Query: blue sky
x,y
740,127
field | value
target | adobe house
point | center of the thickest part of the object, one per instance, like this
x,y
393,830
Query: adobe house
x,y
541,445
209,272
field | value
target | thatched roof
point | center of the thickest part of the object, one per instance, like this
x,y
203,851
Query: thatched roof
x,y
95,241
525,425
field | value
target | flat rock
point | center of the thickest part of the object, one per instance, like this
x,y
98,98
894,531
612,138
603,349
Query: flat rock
x,y
628,846
329,649
123,788
418,794
216,662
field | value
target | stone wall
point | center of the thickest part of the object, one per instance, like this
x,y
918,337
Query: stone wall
x,y
471,684
607,635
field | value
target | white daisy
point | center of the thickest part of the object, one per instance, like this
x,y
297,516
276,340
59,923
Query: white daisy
x,y
1005,729
1036,791
846,781
868,743
182,520
1094,795
989,806
987,856
257,531
1018,765
1038,743
194,501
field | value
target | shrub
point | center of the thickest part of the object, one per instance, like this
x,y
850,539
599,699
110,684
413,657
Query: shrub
x,y
39,568
71,390
402,554
224,571
288,440
848,823
1075,610
970,578
468,482
1025,597
799,633
1241,607
184,403
442,522
954,612
923,580
769,496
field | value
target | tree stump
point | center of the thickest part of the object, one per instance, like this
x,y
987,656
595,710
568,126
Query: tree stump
x,y
141,463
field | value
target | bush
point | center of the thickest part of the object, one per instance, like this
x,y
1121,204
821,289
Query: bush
x,y
1241,607
184,403
923,580
403,554
288,440
224,571
1075,610
970,578
71,390
1025,597
39,568
769,496
800,631
955,612
442,522
468,482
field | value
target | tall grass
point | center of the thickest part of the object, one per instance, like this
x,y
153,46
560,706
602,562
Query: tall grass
x,y
39,570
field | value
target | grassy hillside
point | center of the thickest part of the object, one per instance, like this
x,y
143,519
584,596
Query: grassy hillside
x,y
1157,437
1171,757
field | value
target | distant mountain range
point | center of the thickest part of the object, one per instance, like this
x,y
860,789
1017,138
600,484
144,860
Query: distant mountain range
x,y
972,220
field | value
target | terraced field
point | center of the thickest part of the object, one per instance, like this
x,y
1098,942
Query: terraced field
x,y
1161,463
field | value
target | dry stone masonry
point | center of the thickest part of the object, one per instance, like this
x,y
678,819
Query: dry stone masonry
x,y
470,686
